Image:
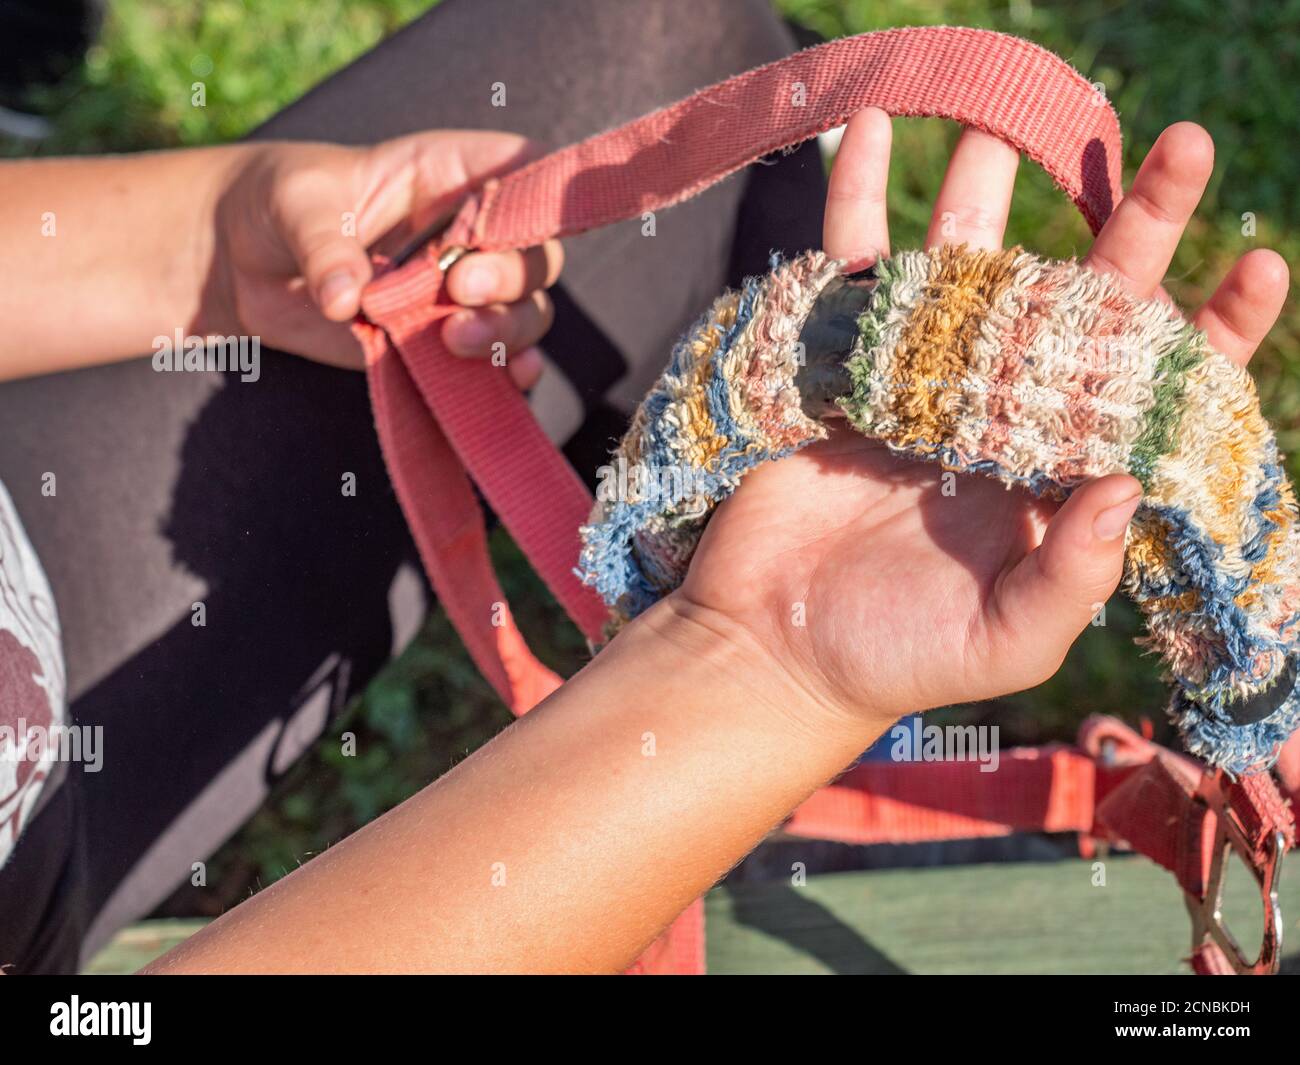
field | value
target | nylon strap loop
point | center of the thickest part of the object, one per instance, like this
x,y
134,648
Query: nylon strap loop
x,y
991,81
998,83
443,421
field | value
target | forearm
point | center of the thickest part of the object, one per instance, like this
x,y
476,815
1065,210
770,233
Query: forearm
x,y
101,255
572,839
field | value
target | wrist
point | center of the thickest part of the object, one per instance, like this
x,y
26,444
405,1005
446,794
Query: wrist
x,y
724,661
224,204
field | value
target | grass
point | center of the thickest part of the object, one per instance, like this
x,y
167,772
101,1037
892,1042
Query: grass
x,y
1231,66
136,88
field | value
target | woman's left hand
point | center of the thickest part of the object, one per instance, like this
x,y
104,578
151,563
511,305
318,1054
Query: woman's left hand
x,y
847,569
295,224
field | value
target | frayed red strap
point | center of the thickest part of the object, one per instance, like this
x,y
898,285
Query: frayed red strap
x,y
445,422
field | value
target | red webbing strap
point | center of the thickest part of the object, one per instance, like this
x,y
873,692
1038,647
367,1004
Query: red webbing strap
x,y
1000,84
1260,810
1188,820
1154,812
447,522
1049,789
1209,960
430,439
679,951
450,534
1115,785
1003,85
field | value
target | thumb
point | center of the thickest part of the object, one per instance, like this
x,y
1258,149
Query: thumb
x,y
322,237
416,178
1056,590
427,175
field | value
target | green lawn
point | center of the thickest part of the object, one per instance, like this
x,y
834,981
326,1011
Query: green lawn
x,y
1231,65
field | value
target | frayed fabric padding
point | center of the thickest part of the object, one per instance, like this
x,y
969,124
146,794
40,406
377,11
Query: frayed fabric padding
x,y
726,403
1240,749
1042,374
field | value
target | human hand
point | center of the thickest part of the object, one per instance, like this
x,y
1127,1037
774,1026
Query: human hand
x,y
295,223
845,564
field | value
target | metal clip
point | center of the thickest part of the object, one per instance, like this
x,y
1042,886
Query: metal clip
x,y
1208,926
448,256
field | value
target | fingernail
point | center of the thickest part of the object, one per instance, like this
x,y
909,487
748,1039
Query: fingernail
x,y
335,287
868,258
480,281
467,333
1111,522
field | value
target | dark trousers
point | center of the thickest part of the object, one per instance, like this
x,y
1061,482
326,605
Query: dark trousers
x,y
175,489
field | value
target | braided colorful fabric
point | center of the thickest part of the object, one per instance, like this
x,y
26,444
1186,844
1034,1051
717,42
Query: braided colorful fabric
x,y
1040,373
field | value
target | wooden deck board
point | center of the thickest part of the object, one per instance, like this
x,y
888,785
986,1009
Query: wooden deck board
x,y
1030,917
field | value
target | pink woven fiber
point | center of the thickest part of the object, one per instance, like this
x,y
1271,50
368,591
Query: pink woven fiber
x,y
1003,85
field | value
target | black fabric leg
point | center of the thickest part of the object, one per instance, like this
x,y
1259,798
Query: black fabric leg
x,y
180,489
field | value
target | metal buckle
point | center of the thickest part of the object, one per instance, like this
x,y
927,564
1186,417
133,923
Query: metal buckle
x,y
1207,912
448,256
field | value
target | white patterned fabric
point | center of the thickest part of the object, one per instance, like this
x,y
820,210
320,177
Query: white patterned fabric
x,y
32,693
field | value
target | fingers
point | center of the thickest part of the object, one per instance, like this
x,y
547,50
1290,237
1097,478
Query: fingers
x,y
1137,242
505,333
499,329
507,311
312,210
522,361
1055,591
424,176
525,368
335,266
330,203
504,277
975,198
459,159
856,227
1245,305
